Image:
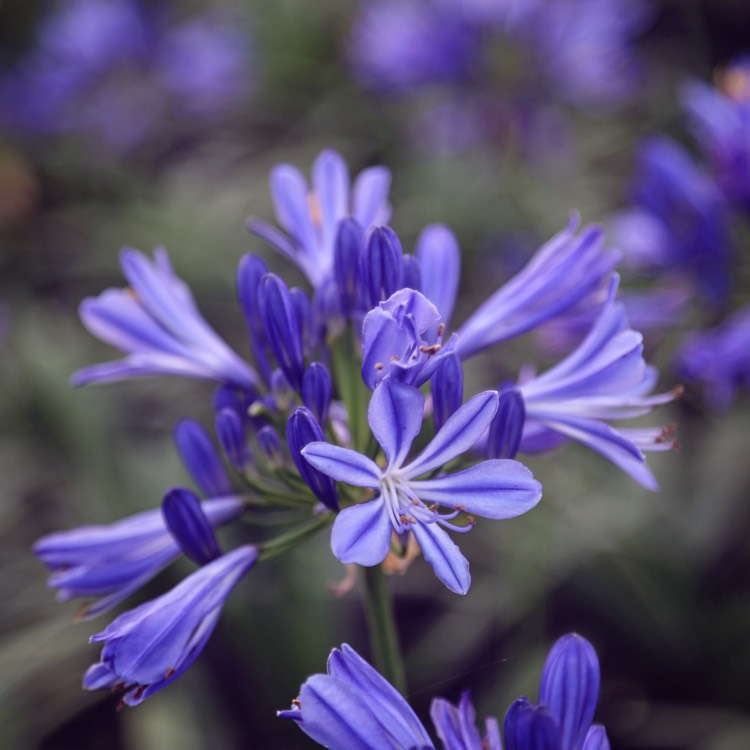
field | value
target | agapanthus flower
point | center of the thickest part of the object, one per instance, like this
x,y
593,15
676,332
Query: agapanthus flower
x,y
121,70
562,720
310,214
396,46
679,224
354,708
107,563
720,118
719,359
563,271
149,647
494,489
156,323
604,378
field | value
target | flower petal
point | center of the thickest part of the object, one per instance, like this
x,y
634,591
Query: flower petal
x,y
343,464
443,554
498,488
459,433
362,534
395,416
440,263
596,739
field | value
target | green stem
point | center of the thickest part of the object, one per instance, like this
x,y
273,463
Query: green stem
x,y
382,627
283,543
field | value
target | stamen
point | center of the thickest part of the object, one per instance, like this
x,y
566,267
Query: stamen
x,y
441,330
169,673
379,365
430,350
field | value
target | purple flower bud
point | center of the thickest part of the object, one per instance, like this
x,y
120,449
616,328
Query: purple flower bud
x,y
230,430
302,429
303,310
447,387
282,328
188,524
250,272
201,459
348,252
317,388
505,432
381,267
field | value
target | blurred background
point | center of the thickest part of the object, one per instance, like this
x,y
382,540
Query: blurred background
x,y
142,124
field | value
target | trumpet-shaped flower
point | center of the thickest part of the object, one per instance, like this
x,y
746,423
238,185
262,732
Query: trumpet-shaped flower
x,y
310,215
562,272
108,563
604,378
495,489
354,708
158,326
148,647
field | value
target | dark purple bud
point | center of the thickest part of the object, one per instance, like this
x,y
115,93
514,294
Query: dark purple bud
x,y
506,429
250,273
269,445
189,525
302,429
317,389
327,315
530,727
447,387
303,311
282,329
411,273
347,256
230,429
381,266
201,459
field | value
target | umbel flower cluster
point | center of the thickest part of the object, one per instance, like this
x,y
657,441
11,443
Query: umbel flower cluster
x,y
351,414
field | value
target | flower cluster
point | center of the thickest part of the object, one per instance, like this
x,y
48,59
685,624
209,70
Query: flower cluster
x,y
353,707
350,413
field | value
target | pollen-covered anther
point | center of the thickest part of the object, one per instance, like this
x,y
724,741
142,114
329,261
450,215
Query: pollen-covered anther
x,y
430,350
441,330
462,508
471,520
678,390
395,358
407,519
378,365
169,673
296,702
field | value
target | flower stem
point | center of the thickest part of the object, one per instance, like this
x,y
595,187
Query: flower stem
x,y
382,627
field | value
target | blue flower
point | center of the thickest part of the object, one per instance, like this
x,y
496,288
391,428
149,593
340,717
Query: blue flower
x,y
110,562
680,222
148,647
354,708
495,489
562,720
562,272
158,326
568,693
720,118
310,216
719,359
397,46
604,378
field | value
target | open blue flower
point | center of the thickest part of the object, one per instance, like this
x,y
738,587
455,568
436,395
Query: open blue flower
x,y
148,647
604,378
108,563
495,489
310,215
158,326
354,708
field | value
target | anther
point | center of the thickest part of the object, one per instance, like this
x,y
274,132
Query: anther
x,y
169,673
441,330
433,349
379,365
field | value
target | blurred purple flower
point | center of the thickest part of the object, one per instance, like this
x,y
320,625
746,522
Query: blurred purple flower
x,y
720,118
150,646
396,45
719,359
120,69
111,562
157,325
494,489
310,215
680,222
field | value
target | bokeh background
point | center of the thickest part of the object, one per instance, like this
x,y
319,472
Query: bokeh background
x,y
157,124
